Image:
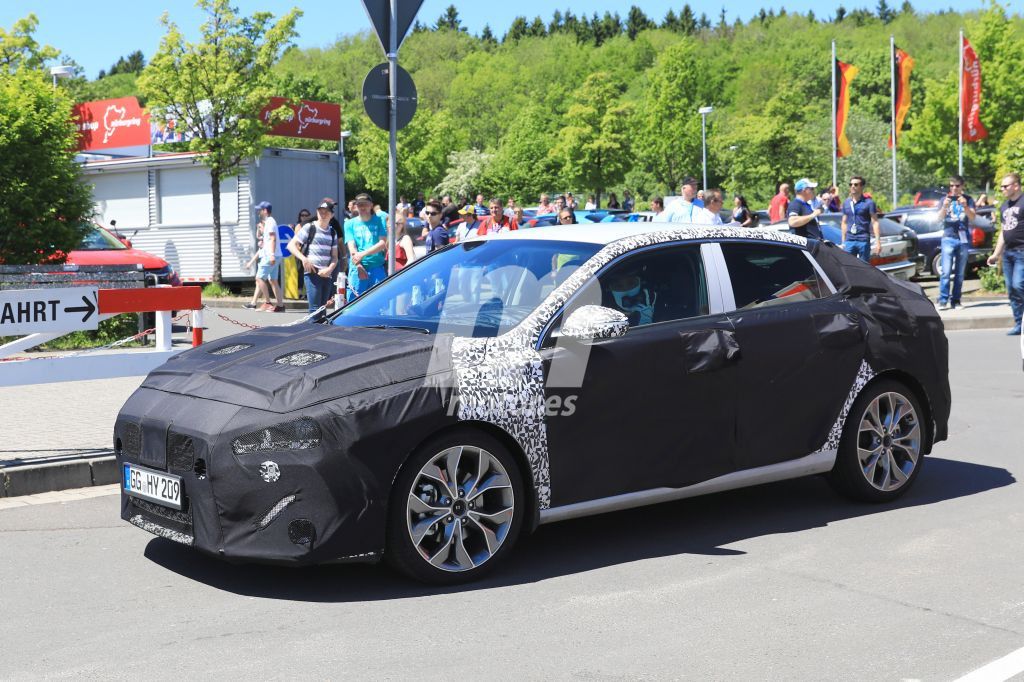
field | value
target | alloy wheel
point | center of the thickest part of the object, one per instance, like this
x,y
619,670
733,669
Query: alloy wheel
x,y
889,441
460,508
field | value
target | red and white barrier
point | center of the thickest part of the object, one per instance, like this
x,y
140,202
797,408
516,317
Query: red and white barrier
x,y
89,365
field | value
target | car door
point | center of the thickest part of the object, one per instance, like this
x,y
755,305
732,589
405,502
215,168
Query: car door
x,y
801,349
650,409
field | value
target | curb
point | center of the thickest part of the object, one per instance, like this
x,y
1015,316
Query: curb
x,y
29,479
967,323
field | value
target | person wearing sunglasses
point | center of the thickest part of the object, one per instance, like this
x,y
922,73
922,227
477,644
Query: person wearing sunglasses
x,y
859,216
1010,247
437,233
497,221
956,214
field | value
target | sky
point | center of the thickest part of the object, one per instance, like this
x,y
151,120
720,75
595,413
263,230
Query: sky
x,y
97,33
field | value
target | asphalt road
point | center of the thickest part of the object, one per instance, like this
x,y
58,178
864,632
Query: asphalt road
x,y
785,581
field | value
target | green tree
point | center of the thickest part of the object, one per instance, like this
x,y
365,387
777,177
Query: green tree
x,y
449,20
216,88
637,22
594,145
465,169
521,166
1010,156
423,149
44,204
19,48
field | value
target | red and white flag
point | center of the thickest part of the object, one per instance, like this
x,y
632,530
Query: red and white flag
x,y
970,97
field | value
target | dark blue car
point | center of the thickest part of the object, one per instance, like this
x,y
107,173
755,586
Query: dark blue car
x,y
925,222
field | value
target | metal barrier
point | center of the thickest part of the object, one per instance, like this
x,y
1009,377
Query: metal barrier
x,y
94,364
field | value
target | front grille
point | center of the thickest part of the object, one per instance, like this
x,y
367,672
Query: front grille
x,y
132,439
184,518
180,452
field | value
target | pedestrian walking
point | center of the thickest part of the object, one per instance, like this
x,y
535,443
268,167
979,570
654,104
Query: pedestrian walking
x,y
316,247
741,213
404,251
684,209
956,213
1010,247
803,219
778,208
713,202
269,271
497,221
437,233
859,222
254,303
366,241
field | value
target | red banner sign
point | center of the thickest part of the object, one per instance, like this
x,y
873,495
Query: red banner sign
x,y
309,120
970,98
111,123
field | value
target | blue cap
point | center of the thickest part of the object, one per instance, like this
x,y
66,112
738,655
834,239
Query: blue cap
x,y
262,205
483,211
804,183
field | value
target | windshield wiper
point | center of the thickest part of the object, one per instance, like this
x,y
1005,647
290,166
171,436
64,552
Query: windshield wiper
x,y
394,326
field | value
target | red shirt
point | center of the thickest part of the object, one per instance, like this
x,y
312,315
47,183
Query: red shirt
x,y
777,208
488,224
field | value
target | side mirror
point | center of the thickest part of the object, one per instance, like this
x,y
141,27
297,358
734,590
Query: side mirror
x,y
594,322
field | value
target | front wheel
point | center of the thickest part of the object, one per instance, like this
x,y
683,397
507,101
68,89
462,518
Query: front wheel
x,y
456,510
880,449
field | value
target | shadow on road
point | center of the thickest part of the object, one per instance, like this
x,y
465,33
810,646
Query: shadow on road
x,y
704,526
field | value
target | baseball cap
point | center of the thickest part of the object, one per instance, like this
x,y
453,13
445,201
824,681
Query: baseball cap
x,y
326,203
804,183
262,205
689,180
468,209
482,211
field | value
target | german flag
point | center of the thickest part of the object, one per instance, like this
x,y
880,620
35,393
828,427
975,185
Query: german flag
x,y
845,73
904,65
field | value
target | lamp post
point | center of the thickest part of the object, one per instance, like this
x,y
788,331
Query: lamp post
x,y
342,169
704,111
59,72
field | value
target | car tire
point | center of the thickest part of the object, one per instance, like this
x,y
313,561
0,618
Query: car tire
x,y
936,265
444,534
881,448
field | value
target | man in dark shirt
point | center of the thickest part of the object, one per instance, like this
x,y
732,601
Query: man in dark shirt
x,y
956,214
859,216
417,205
437,234
1010,247
803,220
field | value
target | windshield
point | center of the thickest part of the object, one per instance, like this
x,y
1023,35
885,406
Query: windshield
x,y
99,239
475,288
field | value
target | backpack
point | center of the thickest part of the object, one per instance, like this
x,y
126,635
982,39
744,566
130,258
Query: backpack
x,y
312,235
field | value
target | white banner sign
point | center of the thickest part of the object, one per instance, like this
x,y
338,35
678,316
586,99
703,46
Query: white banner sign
x,y
31,311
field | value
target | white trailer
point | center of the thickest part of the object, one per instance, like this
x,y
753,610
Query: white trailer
x,y
164,204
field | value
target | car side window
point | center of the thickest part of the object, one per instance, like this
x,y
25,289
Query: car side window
x,y
767,274
659,285
923,224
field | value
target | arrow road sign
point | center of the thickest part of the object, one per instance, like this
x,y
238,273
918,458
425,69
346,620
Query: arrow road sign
x,y
379,12
89,308
375,96
31,311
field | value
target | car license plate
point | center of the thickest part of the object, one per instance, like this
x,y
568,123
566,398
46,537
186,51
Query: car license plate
x,y
152,485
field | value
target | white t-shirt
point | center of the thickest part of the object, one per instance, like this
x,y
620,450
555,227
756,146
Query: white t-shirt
x,y
271,240
683,211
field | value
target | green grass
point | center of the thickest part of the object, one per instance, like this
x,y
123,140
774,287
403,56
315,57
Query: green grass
x,y
215,290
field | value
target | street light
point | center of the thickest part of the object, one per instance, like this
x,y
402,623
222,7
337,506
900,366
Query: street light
x,y
704,111
59,72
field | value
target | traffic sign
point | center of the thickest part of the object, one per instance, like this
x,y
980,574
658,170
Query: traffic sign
x,y
379,12
375,96
31,311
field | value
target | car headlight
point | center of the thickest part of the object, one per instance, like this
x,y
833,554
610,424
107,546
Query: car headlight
x,y
301,434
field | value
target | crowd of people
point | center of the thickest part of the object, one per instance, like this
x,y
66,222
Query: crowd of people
x,y
355,242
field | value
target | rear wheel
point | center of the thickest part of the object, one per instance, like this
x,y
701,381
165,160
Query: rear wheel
x,y
880,452
456,510
937,264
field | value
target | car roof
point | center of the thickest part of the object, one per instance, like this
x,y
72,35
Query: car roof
x,y
606,233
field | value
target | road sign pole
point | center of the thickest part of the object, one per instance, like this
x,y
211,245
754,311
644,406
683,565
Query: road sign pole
x,y
393,133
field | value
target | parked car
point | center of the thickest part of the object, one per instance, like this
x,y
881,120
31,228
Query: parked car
x,y
524,379
101,247
898,257
928,227
599,215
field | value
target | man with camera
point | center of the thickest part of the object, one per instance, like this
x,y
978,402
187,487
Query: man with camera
x,y
956,213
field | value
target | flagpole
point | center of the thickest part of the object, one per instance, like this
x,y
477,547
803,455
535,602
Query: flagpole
x,y
835,150
960,107
892,111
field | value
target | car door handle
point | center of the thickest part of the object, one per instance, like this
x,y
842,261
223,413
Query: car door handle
x,y
708,350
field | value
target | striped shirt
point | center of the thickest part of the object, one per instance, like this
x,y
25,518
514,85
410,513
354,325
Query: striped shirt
x,y
320,250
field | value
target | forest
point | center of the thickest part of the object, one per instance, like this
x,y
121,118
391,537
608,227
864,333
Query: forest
x,y
607,103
